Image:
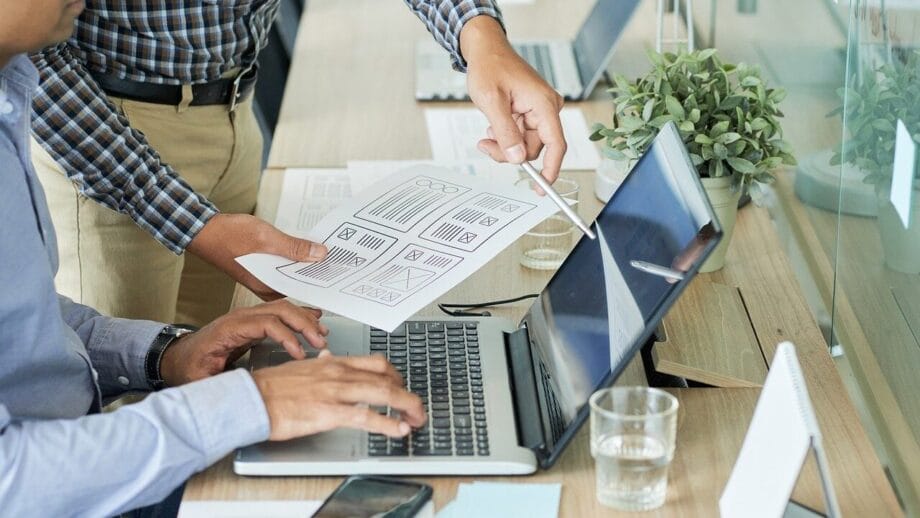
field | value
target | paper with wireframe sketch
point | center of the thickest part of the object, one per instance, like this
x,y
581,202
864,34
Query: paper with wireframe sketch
x,y
403,242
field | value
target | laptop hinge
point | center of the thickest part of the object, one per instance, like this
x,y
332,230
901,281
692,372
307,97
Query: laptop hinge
x,y
528,419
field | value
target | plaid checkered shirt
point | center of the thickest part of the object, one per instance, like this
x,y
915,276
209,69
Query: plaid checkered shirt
x,y
169,42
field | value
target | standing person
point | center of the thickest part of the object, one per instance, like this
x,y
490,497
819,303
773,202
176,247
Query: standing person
x,y
144,125
58,455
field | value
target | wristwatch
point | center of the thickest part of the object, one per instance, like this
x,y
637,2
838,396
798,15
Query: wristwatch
x,y
154,358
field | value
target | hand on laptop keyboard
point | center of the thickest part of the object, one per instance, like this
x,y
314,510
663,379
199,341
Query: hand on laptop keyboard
x,y
311,396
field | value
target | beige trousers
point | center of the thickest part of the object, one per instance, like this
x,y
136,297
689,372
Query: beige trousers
x,y
110,263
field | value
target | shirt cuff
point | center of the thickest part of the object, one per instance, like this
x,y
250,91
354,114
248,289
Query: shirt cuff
x,y
172,212
119,353
486,8
228,411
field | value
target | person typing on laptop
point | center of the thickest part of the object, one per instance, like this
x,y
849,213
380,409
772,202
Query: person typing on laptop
x,y
59,456
148,111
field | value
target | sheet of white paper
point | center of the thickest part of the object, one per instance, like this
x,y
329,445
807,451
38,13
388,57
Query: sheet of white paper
x,y
905,158
454,133
403,243
309,194
774,449
248,509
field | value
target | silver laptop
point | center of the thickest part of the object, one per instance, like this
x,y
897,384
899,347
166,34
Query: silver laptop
x,y
573,68
507,397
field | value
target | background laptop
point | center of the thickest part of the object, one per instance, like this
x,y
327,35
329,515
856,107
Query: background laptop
x,y
573,68
505,397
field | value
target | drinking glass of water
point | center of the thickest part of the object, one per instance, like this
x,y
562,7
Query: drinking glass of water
x,y
546,245
633,430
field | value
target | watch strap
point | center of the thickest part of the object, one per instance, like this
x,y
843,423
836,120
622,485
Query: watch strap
x,y
154,357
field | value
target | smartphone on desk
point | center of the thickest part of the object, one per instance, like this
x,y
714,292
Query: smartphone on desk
x,y
363,496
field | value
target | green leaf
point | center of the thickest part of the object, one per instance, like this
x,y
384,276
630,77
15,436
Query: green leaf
x,y
728,138
696,159
614,154
720,151
701,138
674,107
719,129
686,127
647,109
741,165
705,54
596,130
751,81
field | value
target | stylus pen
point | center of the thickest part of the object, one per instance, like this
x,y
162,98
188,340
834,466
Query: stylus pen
x,y
558,200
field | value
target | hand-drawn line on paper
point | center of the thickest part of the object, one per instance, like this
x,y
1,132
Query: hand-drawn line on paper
x,y
351,248
401,277
437,261
488,221
410,202
459,229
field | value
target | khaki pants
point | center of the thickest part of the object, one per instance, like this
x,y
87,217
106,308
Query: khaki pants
x,y
110,263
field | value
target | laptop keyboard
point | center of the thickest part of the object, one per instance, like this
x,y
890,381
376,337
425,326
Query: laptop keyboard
x,y
537,54
441,364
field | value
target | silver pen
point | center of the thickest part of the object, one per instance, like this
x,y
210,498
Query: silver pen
x,y
558,200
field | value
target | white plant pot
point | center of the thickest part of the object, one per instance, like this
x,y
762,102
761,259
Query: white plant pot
x,y
901,245
724,202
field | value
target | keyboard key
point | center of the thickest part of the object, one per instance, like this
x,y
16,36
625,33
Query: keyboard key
x,y
454,325
471,325
416,327
378,339
378,332
465,452
435,326
462,410
397,339
400,331
440,414
440,423
463,421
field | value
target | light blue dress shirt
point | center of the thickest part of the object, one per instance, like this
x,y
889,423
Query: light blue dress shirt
x,y
58,359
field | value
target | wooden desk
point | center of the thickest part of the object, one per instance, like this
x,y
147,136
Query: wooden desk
x,y
350,97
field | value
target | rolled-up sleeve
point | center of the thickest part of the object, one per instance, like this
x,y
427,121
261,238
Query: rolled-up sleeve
x,y
446,18
104,464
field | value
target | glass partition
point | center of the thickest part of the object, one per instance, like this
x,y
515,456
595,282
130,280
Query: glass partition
x,y
849,213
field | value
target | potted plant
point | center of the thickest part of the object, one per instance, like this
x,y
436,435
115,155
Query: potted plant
x,y
872,112
725,113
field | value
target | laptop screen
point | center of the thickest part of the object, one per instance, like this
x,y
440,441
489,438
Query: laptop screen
x,y
610,294
594,43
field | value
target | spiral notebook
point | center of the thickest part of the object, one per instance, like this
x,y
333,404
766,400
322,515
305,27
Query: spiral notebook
x,y
782,433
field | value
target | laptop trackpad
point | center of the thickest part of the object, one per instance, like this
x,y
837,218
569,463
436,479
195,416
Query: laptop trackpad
x,y
329,446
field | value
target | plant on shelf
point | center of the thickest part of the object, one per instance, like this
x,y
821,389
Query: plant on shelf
x,y
872,110
726,115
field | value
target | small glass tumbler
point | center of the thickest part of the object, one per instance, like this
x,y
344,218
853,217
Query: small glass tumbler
x,y
546,245
633,432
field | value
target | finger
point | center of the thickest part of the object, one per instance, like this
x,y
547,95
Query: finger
x,y
381,393
373,363
497,108
298,319
250,328
549,129
294,248
366,419
533,144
